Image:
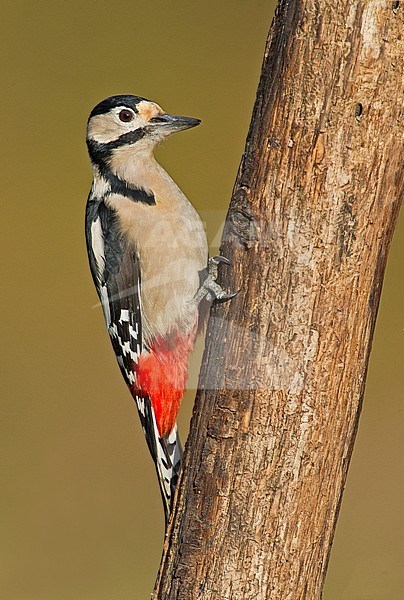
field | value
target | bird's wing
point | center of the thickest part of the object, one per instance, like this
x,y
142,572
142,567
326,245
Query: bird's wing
x,y
116,272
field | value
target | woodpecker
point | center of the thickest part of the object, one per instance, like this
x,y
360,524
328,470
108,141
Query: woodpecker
x,y
148,256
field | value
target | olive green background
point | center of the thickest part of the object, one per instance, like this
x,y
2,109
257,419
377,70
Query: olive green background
x,y
81,516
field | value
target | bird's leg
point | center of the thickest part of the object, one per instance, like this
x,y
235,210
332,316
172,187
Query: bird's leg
x,y
210,290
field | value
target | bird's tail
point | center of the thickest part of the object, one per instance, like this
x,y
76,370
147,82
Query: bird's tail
x,y
165,449
168,464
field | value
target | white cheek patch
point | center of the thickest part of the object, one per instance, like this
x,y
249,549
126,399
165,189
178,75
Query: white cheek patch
x,y
103,128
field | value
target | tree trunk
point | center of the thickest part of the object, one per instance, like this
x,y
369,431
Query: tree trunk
x,y
308,232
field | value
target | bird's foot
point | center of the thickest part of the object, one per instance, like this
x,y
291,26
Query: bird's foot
x,y
210,290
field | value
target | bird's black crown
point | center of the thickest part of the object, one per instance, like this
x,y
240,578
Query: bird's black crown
x,y
113,101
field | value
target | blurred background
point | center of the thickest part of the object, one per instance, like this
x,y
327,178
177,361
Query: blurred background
x,y
81,516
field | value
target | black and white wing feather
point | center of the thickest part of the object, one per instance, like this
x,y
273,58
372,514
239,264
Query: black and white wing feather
x,y
115,268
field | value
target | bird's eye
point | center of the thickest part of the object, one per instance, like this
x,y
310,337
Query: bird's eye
x,y
126,116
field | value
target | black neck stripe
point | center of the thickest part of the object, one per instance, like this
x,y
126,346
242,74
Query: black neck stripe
x,y
129,138
118,186
100,154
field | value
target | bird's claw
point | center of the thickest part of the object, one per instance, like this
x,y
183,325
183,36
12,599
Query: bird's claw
x,y
210,290
219,259
225,297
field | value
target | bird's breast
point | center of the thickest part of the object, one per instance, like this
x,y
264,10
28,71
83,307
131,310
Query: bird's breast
x,y
170,240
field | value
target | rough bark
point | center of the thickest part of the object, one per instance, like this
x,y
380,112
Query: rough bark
x,y
308,232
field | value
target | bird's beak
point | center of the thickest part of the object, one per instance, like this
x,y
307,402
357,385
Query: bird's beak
x,y
172,123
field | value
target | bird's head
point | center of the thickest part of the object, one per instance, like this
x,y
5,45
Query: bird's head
x,y
130,122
